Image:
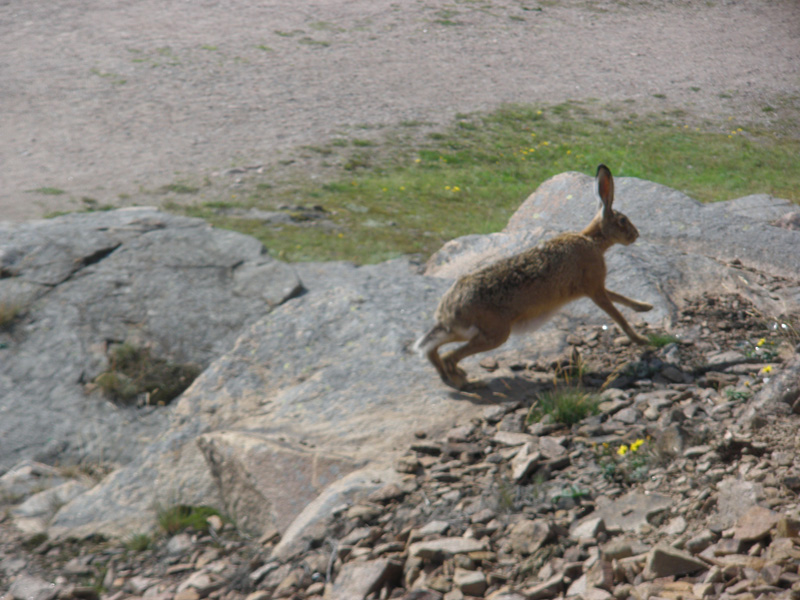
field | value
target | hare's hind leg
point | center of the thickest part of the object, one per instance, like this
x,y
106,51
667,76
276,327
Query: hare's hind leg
x,y
429,346
629,302
603,300
482,341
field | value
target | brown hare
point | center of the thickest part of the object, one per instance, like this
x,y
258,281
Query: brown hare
x,y
524,290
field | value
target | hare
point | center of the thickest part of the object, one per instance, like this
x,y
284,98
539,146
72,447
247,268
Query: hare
x,y
524,290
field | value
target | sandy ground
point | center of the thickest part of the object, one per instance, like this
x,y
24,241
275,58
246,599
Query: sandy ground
x,y
108,99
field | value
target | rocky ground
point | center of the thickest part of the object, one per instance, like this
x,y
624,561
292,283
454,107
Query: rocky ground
x,y
685,485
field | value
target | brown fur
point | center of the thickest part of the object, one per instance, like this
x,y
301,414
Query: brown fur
x,y
482,307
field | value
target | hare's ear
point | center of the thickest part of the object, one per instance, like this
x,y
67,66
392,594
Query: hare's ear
x,y
604,188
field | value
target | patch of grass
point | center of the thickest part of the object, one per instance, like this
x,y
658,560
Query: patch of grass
x,y
659,340
566,405
175,519
139,542
308,41
735,395
265,48
135,373
49,191
470,177
10,312
209,47
180,188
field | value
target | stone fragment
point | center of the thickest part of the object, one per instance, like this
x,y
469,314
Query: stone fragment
x,y
360,579
386,494
471,583
755,524
509,438
664,561
524,462
787,527
28,587
700,542
545,590
180,544
588,528
735,498
442,548
527,536
632,511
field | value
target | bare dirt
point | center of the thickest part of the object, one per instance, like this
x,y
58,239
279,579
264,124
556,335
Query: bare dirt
x,y
111,100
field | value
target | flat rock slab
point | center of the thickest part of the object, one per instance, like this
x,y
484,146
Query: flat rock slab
x,y
327,375
84,281
445,547
755,524
664,561
631,511
357,580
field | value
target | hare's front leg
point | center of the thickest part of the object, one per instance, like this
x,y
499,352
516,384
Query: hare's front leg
x,y
603,300
630,303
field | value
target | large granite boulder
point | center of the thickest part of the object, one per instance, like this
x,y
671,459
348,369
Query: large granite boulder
x,y
325,387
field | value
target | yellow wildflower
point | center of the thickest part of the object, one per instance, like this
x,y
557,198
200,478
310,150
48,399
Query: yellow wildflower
x,y
767,369
761,342
636,445
622,450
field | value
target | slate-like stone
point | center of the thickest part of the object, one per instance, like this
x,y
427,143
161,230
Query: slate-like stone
x,y
444,547
665,561
755,524
357,580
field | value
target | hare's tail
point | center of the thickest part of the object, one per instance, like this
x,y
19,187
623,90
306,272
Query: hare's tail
x,y
437,336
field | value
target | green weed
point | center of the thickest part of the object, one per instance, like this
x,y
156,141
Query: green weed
x,y
566,405
10,312
175,519
49,191
139,542
659,340
134,373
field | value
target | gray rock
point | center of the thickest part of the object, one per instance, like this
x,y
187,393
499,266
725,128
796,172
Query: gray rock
x,y
735,498
328,374
27,587
357,580
87,279
755,524
664,561
631,511
471,583
527,536
436,550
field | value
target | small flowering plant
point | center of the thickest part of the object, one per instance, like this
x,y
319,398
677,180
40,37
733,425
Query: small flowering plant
x,y
626,463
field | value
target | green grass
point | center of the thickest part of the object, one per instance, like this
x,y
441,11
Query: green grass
x,y
10,312
134,372
566,405
175,519
138,542
49,191
471,176
659,340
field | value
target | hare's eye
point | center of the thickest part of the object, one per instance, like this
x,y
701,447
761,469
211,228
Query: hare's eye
x,y
624,220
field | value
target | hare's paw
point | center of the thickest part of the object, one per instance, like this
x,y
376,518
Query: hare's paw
x,y
456,376
642,307
640,339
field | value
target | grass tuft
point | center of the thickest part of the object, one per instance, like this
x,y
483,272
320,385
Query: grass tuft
x,y
659,340
175,519
134,372
566,405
